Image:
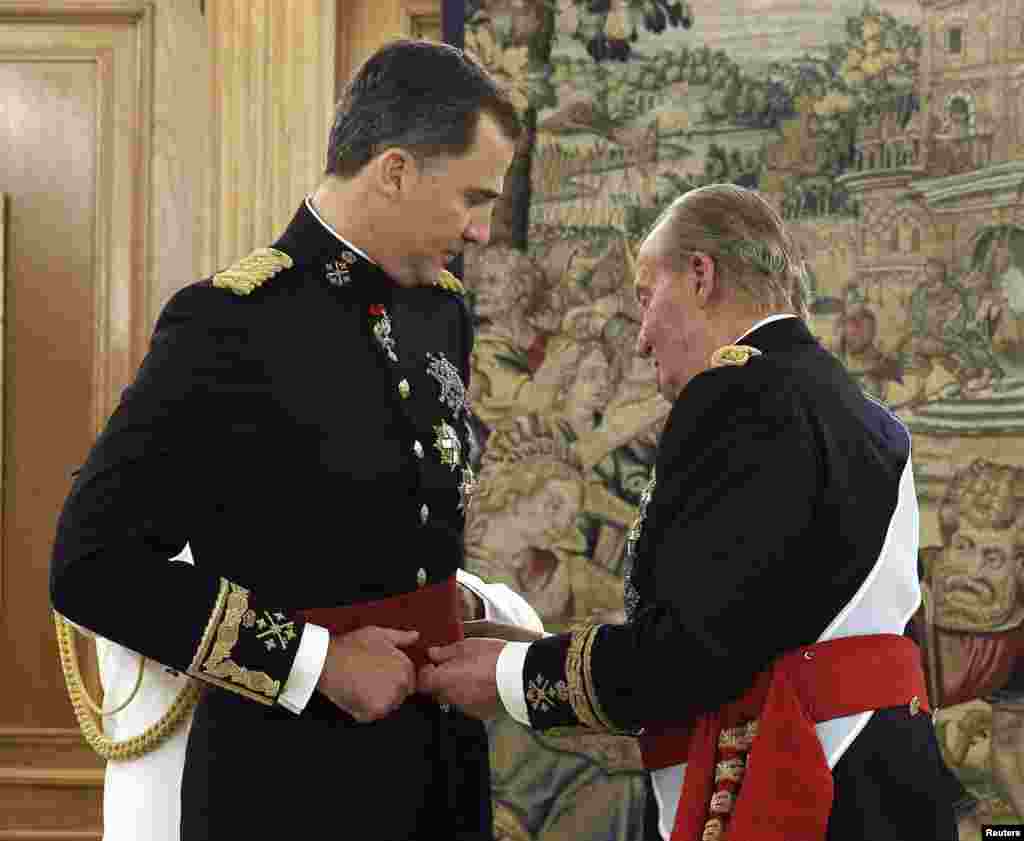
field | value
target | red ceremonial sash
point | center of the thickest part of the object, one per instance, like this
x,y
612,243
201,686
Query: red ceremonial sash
x,y
764,745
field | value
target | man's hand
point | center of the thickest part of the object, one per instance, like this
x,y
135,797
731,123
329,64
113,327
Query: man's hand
x,y
464,674
366,674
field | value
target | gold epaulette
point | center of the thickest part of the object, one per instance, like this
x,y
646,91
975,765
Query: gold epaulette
x,y
733,355
446,280
252,271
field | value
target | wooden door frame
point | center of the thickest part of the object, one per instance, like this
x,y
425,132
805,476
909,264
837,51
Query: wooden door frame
x,y
117,39
122,264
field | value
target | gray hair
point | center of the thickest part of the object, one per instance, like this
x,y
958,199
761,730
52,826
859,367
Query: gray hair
x,y
755,256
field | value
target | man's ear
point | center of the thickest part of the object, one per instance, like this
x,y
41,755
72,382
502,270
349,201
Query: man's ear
x,y
705,276
394,172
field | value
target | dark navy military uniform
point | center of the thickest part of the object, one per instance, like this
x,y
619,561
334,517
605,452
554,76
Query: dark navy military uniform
x,y
776,484
309,441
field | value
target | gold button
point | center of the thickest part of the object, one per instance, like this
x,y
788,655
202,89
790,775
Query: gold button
x,y
421,576
404,389
417,448
915,705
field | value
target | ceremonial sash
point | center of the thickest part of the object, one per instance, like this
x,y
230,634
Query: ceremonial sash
x,y
757,765
882,606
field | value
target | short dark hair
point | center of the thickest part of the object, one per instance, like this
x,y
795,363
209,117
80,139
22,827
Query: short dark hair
x,y
421,95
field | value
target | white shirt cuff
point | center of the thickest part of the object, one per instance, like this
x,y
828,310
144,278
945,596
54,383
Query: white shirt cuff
x,y
509,677
501,603
306,670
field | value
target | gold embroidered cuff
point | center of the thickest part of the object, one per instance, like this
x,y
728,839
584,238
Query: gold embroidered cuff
x,y
577,667
588,681
212,662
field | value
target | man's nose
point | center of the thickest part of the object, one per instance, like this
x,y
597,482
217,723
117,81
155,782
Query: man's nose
x,y
478,233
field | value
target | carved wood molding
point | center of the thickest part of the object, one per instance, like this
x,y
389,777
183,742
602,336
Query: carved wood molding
x,y
46,748
272,68
422,19
73,12
3,295
52,777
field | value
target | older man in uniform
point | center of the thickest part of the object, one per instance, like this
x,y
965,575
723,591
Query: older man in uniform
x,y
300,421
773,570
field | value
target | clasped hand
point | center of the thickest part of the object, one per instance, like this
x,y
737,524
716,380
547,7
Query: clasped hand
x,y
368,675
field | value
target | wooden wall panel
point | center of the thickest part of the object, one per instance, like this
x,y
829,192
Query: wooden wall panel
x,y
103,168
363,25
272,65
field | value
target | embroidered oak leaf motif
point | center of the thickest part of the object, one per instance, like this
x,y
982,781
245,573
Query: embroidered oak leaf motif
x,y
542,695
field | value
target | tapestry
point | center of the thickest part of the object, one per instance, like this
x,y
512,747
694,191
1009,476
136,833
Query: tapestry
x,y
891,139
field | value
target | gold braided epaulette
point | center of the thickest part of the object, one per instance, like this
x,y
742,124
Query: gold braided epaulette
x,y
253,270
449,282
733,355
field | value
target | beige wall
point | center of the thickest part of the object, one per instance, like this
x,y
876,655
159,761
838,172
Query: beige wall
x,y
275,69
272,92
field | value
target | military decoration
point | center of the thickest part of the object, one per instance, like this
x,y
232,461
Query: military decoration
x,y
448,445
452,390
381,325
467,486
338,270
632,598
